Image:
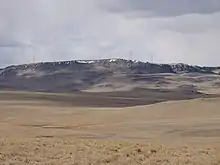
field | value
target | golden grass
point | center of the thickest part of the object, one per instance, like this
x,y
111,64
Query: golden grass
x,y
46,133
91,152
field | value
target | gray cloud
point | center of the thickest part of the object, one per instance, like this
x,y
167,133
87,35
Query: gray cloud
x,y
71,29
162,7
10,43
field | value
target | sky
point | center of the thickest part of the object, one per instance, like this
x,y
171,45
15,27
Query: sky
x,y
162,31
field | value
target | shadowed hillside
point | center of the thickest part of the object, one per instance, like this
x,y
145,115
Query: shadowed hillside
x,y
72,76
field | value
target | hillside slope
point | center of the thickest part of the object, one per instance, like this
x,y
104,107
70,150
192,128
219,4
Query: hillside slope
x,y
72,76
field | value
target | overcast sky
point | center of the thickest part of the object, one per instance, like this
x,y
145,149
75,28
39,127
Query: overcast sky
x,y
172,31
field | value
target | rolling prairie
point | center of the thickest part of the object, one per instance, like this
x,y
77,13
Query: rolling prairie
x,y
45,131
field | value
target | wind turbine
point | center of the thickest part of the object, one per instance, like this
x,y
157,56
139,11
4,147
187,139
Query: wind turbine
x,y
130,55
32,48
33,54
34,58
152,58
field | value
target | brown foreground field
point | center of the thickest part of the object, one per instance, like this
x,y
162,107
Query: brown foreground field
x,y
51,133
92,152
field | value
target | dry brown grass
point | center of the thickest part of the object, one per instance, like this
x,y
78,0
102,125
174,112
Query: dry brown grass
x,y
42,132
91,152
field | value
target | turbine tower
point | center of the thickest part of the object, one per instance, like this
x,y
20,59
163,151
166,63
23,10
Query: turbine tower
x,y
130,55
152,58
33,58
33,54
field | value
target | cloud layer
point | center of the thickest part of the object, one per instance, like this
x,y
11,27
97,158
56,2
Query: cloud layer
x,y
171,31
163,8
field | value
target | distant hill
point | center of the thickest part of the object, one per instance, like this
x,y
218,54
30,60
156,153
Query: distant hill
x,y
71,76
